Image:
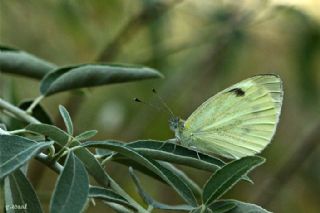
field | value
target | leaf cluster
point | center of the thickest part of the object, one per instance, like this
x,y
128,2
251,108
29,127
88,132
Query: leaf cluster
x,y
67,153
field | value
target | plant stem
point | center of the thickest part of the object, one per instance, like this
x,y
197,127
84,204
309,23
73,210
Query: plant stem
x,y
150,208
34,104
18,131
107,159
4,132
19,113
121,192
55,166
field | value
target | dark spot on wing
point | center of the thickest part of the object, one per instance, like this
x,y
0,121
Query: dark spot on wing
x,y
237,91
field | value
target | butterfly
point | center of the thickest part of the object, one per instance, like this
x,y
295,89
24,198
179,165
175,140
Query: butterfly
x,y
236,122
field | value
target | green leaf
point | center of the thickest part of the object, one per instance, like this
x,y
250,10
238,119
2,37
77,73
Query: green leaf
x,y
171,178
174,153
163,151
72,187
19,191
144,195
222,207
86,135
92,165
226,177
238,207
197,191
38,112
202,209
90,75
61,137
16,151
109,196
18,62
67,119
128,162
160,150
50,131
118,208
150,201
137,166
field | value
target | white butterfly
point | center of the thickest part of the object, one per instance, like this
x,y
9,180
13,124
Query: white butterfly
x,y
238,121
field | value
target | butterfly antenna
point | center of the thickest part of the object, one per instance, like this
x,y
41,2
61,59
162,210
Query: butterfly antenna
x,y
148,104
165,106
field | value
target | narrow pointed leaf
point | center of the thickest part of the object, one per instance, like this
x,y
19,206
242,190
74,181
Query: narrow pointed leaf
x,y
92,165
238,207
176,154
222,207
202,209
171,178
197,191
18,62
137,166
108,196
90,75
16,151
226,177
118,208
50,131
21,193
150,201
86,135
67,119
144,195
72,188
61,137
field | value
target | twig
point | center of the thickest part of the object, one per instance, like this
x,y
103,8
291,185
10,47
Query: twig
x,y
55,166
34,104
121,192
282,177
19,113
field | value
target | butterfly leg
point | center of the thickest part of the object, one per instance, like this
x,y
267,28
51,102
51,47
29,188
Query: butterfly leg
x,y
198,155
195,149
174,148
174,141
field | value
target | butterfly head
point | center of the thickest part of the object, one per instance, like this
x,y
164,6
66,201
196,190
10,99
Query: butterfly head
x,y
176,124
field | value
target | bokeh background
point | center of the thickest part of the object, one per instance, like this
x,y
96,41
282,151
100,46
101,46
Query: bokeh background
x,y
201,47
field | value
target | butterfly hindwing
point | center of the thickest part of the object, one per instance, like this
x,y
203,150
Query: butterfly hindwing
x,y
238,121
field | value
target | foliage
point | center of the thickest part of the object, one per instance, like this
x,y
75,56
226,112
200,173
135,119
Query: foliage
x,y
68,155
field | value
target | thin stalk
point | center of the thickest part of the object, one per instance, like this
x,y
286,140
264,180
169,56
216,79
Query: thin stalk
x,y
34,104
64,150
150,208
18,131
4,132
19,113
52,151
55,166
107,159
114,185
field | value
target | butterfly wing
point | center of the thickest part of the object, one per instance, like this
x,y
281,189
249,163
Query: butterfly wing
x,y
238,121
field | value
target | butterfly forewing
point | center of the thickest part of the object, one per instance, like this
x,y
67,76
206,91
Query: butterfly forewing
x,y
239,121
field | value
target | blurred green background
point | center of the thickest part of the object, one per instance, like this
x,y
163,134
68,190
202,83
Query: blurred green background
x,y
202,47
